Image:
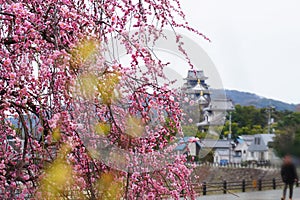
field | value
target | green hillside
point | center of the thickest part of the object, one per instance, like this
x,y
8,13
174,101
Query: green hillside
x,y
250,99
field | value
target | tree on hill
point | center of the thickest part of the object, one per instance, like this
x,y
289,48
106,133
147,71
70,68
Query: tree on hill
x,y
246,120
287,140
249,120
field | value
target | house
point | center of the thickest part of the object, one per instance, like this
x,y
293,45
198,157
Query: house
x,y
241,150
244,148
215,144
221,156
260,149
192,146
223,150
189,146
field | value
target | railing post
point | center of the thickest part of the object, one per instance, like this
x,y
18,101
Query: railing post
x,y
224,186
259,184
204,188
243,185
274,184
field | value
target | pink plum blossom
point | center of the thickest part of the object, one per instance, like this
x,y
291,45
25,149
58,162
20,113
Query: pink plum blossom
x,y
58,90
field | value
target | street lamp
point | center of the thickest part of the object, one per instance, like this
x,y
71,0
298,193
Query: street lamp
x,y
230,131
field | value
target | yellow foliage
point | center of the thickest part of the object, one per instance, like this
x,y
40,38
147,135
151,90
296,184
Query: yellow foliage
x,y
134,126
59,173
85,51
58,176
109,188
90,86
106,87
102,128
58,182
56,133
87,84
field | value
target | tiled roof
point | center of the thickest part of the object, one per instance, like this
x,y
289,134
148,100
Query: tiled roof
x,y
220,105
264,140
210,143
196,74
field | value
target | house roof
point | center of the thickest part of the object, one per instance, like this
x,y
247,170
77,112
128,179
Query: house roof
x,y
199,87
195,74
263,145
210,143
182,145
245,138
267,137
222,152
220,105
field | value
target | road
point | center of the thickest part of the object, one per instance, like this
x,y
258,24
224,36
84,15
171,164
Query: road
x,y
263,195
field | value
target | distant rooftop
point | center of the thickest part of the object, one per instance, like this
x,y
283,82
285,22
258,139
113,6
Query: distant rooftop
x,y
220,105
184,142
262,145
246,138
195,74
211,143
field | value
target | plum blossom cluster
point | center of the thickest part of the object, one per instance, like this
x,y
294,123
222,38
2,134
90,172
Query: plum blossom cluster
x,y
58,90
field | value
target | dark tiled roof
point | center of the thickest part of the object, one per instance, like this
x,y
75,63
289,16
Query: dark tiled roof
x,y
196,74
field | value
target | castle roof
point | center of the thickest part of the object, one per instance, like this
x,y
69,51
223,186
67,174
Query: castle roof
x,y
195,74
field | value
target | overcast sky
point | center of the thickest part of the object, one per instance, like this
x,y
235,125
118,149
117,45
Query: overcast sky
x,y
255,43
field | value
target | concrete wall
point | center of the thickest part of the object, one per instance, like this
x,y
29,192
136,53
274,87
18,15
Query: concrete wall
x,y
218,174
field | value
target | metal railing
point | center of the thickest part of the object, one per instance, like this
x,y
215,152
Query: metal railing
x,y
238,186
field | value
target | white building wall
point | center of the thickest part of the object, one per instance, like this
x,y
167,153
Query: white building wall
x,y
236,159
267,155
218,157
192,148
252,156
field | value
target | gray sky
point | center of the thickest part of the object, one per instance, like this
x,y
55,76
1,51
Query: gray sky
x,y
255,43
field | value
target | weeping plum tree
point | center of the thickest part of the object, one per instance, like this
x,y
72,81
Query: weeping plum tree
x,y
63,103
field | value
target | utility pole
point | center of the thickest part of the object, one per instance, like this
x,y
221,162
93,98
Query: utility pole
x,y
269,110
230,132
229,138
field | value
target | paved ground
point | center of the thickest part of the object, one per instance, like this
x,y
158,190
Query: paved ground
x,y
263,195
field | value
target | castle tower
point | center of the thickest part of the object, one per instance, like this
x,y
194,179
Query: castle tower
x,y
212,111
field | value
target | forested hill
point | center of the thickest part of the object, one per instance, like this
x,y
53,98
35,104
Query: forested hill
x,y
247,99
